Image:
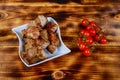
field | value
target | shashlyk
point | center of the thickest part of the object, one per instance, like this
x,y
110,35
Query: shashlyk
x,y
39,35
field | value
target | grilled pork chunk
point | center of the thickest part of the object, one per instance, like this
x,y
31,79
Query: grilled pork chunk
x,y
41,21
50,26
32,32
44,34
54,39
34,55
51,48
32,23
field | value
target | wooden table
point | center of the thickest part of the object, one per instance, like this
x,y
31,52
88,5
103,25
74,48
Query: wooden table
x,y
104,64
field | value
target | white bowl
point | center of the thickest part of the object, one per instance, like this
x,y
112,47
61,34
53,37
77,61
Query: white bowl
x,y
60,51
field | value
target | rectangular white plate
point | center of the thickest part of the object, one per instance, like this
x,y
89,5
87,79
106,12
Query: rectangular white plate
x,y
60,51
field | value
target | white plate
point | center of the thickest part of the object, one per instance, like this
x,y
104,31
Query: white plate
x,y
60,51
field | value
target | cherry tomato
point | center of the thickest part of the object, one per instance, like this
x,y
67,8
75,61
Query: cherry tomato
x,y
103,40
97,37
88,27
82,46
85,22
86,33
77,44
89,40
82,32
87,52
98,29
92,32
92,23
101,34
79,39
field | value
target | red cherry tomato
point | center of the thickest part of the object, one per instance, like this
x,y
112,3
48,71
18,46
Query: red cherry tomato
x,y
85,22
89,40
101,34
86,33
82,32
88,27
92,23
97,37
82,46
98,29
103,40
79,39
77,44
92,32
87,52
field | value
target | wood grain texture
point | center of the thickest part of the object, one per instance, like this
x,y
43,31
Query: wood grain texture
x,y
102,65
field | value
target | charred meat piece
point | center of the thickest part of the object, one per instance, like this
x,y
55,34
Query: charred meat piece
x,y
34,56
41,43
32,32
34,60
25,57
50,26
32,52
41,54
27,46
23,33
31,58
32,23
30,61
54,39
44,34
44,43
30,41
41,21
51,48
38,57
38,42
